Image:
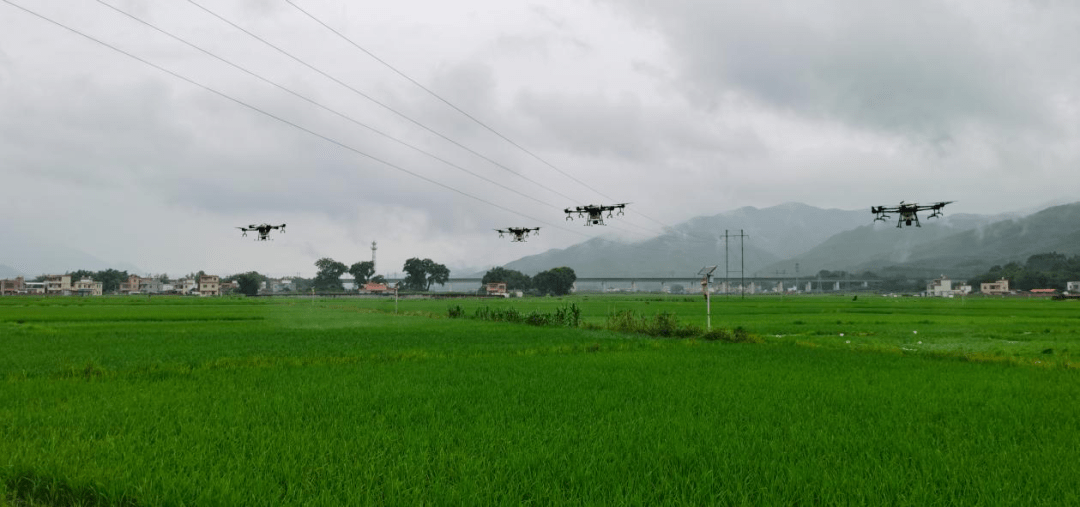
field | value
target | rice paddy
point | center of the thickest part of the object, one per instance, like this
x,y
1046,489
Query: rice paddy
x,y
874,401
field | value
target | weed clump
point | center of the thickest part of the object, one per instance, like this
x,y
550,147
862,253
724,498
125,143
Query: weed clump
x,y
663,324
569,316
737,335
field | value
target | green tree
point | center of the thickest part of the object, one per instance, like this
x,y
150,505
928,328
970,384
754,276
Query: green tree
x,y
303,285
514,280
248,282
436,273
361,272
415,276
421,273
329,276
81,274
110,279
557,281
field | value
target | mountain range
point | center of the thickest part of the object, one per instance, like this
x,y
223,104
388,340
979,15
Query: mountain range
x,y
30,255
793,236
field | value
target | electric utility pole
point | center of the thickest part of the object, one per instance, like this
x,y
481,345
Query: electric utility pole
x,y
742,259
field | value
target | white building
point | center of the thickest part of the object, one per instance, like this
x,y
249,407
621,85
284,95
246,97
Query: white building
x,y
944,287
87,287
1072,286
186,285
282,285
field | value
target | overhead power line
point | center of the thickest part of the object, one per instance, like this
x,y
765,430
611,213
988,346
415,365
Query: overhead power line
x,y
336,112
280,119
293,124
455,107
447,102
375,101
316,103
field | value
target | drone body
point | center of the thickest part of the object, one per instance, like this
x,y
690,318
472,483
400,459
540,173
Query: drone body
x,y
262,229
908,212
518,234
595,212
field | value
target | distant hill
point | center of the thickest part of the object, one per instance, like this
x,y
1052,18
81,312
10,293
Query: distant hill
x,y
8,272
30,256
878,244
836,240
774,233
974,251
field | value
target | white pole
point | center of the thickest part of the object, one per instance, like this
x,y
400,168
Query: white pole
x,y
708,303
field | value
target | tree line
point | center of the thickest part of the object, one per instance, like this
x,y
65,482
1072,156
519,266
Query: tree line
x,y
558,281
1041,271
420,274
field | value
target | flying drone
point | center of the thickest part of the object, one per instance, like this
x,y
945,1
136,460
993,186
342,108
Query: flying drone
x,y
263,229
908,212
596,213
518,233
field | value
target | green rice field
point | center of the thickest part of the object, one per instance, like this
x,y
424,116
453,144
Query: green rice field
x,y
868,401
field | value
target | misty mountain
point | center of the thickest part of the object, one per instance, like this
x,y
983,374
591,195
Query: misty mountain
x,y
782,236
974,251
773,234
8,272
29,256
878,244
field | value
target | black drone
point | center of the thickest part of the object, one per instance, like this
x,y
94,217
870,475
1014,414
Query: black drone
x,y
518,233
908,212
596,213
264,230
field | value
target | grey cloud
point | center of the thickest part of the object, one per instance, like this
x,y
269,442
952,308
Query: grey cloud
x,y
589,125
919,67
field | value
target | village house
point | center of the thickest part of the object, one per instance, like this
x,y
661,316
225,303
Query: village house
x,y
130,286
209,285
944,287
186,286
1072,286
87,287
282,285
58,285
496,289
995,288
150,285
374,288
1043,292
12,286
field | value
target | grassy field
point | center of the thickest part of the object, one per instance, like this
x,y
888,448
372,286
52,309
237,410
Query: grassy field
x,y
170,401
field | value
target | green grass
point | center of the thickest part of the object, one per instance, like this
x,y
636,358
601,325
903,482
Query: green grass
x,y
119,401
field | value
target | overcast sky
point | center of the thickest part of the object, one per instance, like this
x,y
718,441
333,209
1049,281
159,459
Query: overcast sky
x,y
682,108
